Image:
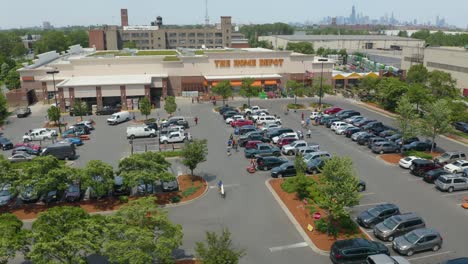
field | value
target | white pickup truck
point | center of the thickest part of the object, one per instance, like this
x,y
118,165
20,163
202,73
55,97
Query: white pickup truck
x,y
253,110
175,137
39,134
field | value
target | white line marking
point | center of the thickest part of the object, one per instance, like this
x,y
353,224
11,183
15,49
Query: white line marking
x,y
225,186
369,204
431,255
369,231
388,244
455,193
297,245
414,179
364,194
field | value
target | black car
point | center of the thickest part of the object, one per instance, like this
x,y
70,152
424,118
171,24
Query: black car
x,y
270,162
462,126
119,187
152,125
52,197
108,110
372,125
456,261
229,113
324,119
362,139
175,122
26,149
393,137
377,129
278,131
377,214
432,175
419,146
170,185
246,129
5,144
73,193
363,122
350,131
371,141
285,170
356,250
254,135
348,115
226,108
387,133
406,141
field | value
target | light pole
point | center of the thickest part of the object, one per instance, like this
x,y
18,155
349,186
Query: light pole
x,y
321,83
55,94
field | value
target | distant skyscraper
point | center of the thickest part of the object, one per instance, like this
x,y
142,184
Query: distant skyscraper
x,y
46,25
352,18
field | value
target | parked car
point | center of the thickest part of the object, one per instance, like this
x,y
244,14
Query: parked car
x,y
269,126
330,121
25,149
456,261
87,124
244,130
225,108
363,139
7,194
406,162
119,117
371,141
384,259
73,193
353,119
277,132
363,122
175,137
51,196
270,162
462,126
23,112
377,214
230,113
285,141
264,120
350,131
387,133
72,133
324,119
241,122
176,121
355,250
348,114
385,147
253,135
29,145
170,185
449,157
285,135
140,131
119,187
332,110
451,182
315,155
72,140
20,157
5,143
252,144
406,141
355,136
418,146
398,225
262,150
371,125
29,194
108,110
456,166
341,130
234,118
337,124
315,165
377,130
420,166
60,150
312,147
314,115
394,137
291,149
432,175
421,239
284,170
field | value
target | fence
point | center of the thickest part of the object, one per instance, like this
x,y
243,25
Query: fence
x,y
145,147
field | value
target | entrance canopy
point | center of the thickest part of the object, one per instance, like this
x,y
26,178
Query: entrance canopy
x,y
143,79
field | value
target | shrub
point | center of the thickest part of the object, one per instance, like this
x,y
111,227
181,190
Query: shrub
x,y
151,120
418,154
171,153
190,191
321,225
316,105
217,108
289,185
312,209
333,231
347,224
176,199
296,106
123,199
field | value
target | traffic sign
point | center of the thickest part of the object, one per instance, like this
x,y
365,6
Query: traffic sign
x,y
317,215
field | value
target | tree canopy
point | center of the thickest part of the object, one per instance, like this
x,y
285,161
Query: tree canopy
x,y
442,85
145,107
437,120
223,89
303,47
14,238
417,74
3,109
98,176
170,105
389,91
60,40
194,153
53,113
248,90
218,249
80,108
439,38
406,119
252,32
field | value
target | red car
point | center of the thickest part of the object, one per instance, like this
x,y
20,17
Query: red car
x,y
239,123
29,145
285,141
332,110
252,144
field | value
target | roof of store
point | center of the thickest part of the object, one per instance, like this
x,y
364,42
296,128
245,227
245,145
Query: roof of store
x,y
109,80
234,77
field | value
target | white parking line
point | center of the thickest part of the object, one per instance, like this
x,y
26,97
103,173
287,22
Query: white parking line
x,y
225,185
455,193
431,255
387,244
297,245
414,179
369,204
364,194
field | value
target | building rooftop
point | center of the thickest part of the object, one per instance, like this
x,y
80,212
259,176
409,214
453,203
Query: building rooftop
x,y
341,37
109,80
239,77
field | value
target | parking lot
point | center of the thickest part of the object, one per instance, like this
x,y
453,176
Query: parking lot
x,y
256,221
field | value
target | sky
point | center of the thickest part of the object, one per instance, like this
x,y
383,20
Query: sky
x,y
27,13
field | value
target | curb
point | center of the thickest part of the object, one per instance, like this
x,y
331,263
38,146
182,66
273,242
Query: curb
x,y
294,222
386,162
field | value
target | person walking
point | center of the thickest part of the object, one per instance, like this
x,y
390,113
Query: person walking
x,y
309,133
235,145
196,120
229,144
308,122
302,116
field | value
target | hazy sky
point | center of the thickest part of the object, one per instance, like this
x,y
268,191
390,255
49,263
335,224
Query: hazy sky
x,y
17,13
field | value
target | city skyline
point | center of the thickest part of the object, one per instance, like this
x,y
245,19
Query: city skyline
x,y
193,12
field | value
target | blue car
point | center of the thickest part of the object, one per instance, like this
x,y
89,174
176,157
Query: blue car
x,y
74,141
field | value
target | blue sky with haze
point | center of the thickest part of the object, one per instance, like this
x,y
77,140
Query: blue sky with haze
x,y
86,12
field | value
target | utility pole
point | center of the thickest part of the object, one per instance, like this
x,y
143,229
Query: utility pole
x,y
55,94
207,19
321,83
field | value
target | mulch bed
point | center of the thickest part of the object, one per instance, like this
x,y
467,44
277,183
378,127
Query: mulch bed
x,y
187,261
30,211
394,158
303,217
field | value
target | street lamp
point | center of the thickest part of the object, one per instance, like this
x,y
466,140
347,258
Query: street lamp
x,y
321,83
55,94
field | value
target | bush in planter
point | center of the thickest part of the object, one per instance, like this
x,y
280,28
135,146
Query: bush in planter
x,y
176,199
123,199
296,106
289,185
418,154
151,120
348,225
321,225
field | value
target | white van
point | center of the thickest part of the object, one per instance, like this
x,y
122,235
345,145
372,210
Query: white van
x,y
119,117
140,131
264,120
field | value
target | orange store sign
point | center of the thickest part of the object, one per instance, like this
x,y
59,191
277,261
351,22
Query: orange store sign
x,y
249,63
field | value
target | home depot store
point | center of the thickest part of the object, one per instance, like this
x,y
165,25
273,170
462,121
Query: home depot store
x,y
117,79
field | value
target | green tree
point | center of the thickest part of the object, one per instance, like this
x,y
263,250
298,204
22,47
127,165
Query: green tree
x,y
301,184
296,88
339,187
442,85
129,45
417,74
389,91
366,89
303,47
263,44
326,87
80,108
194,153
146,168
53,113
51,40
7,174
459,111
14,237
170,105
12,80
248,90
39,173
403,33
140,232
417,94
145,107
437,120
3,109
99,176
223,89
4,69
218,249
406,119
64,234
78,36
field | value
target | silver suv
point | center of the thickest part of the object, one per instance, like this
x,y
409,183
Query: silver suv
x,y
449,157
398,225
418,240
451,182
